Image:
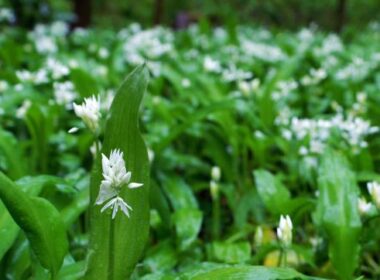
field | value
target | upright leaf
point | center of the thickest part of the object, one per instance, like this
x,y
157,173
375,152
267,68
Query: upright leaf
x,y
274,195
116,245
337,212
40,221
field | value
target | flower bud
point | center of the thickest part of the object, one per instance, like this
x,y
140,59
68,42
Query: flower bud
x,y
284,230
259,235
215,173
214,189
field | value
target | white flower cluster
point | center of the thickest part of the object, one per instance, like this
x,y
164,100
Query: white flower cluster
x,y
56,68
284,89
45,37
232,73
262,51
147,45
64,93
115,176
357,70
314,77
330,45
7,15
353,130
37,78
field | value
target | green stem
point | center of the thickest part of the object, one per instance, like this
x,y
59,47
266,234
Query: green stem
x,y
216,218
111,251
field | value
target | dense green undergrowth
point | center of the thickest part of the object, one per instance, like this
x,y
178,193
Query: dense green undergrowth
x,y
241,126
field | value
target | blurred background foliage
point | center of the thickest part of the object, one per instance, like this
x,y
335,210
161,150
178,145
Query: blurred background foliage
x,y
332,15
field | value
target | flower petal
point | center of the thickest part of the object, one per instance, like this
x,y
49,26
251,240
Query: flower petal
x,y
134,185
105,192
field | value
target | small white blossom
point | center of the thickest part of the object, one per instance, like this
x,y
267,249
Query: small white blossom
x,y
89,112
3,86
284,230
211,65
374,191
364,206
103,53
115,176
186,83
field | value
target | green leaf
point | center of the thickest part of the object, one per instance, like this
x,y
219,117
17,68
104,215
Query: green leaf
x,y
179,193
72,271
9,147
32,186
84,84
231,253
161,257
40,221
337,212
273,193
242,272
116,245
188,224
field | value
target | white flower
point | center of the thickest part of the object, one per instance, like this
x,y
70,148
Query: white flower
x,y
57,69
3,86
364,206
186,83
211,65
374,191
284,230
115,176
89,112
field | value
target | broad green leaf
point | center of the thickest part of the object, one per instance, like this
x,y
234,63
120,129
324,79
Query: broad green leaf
x,y
231,253
116,245
274,195
32,186
188,224
242,272
40,221
337,212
